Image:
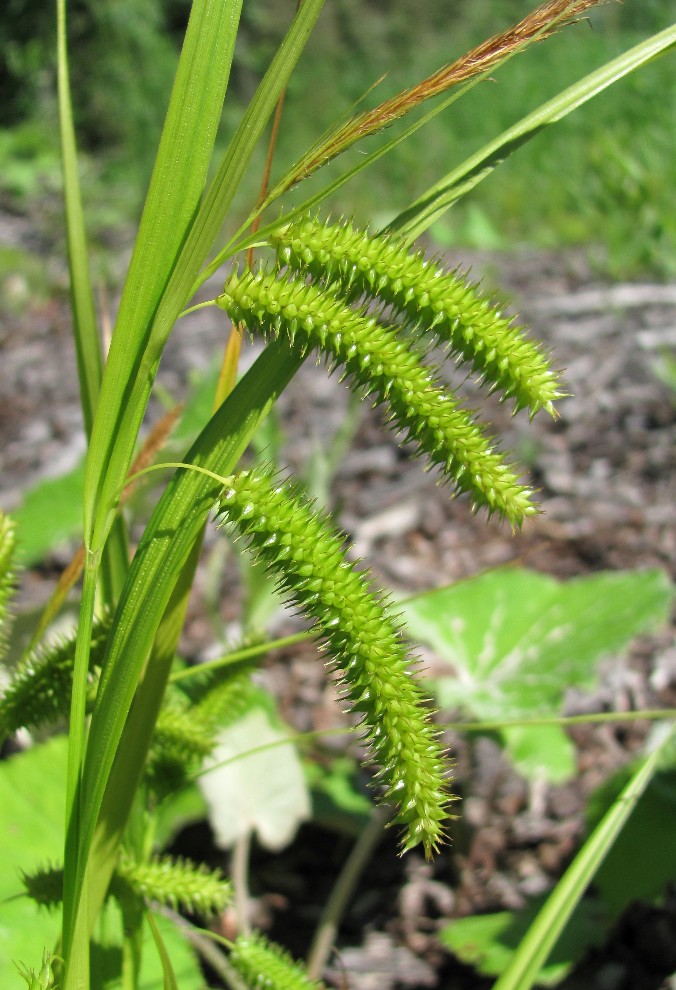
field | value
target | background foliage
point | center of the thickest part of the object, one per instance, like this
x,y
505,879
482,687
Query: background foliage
x,y
613,162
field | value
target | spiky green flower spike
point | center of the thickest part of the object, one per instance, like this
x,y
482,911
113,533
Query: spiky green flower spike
x,y
381,362
305,554
266,966
433,300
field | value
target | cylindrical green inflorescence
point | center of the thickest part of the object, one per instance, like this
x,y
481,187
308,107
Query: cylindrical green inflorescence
x,y
304,552
382,363
266,966
432,299
174,882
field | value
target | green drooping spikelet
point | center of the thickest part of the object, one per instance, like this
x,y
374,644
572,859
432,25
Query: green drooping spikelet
x,y
189,722
381,362
40,690
175,883
306,556
172,882
7,549
430,298
220,695
266,966
180,742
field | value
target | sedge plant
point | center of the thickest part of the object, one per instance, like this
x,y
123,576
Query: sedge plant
x,y
374,305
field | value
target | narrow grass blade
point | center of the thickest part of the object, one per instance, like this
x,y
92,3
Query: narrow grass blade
x,y
87,346
552,919
167,969
85,332
439,197
173,199
142,332
162,553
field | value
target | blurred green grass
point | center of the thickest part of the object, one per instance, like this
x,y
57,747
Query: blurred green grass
x,y
602,179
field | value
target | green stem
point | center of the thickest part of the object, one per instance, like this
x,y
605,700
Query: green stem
x,y
77,955
343,889
246,654
240,881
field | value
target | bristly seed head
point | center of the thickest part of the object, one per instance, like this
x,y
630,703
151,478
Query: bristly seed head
x,y
432,300
363,640
381,362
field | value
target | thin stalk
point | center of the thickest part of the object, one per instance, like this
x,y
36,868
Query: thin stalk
x,y
649,715
76,752
228,373
245,654
343,889
240,881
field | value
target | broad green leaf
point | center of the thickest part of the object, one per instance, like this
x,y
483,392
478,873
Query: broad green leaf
x,y
516,639
32,809
540,752
487,942
257,783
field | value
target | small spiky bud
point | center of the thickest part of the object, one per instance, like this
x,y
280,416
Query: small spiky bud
x,y
44,980
381,362
431,299
306,556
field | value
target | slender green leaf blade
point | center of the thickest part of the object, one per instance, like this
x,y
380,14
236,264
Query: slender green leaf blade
x,y
176,188
87,347
167,542
169,977
428,207
138,348
534,950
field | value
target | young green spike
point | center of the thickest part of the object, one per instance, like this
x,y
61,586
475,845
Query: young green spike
x,y
266,966
40,689
431,299
306,556
381,362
